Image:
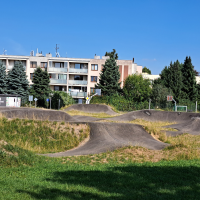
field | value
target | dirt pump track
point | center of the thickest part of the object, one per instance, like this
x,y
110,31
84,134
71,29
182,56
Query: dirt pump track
x,y
105,136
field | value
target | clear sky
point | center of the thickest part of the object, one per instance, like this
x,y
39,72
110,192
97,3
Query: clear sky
x,y
154,32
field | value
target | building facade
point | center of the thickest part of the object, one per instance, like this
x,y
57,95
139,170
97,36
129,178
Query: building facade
x,y
76,76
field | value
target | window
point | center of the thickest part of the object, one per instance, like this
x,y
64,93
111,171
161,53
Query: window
x,y
78,77
92,91
33,64
59,88
31,76
59,65
94,67
93,78
62,76
43,65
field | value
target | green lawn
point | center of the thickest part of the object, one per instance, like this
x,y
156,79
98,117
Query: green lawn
x,y
51,179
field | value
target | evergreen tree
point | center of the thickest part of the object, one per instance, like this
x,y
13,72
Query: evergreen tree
x,y
109,77
136,88
3,79
171,77
112,54
175,80
189,81
146,70
40,88
17,81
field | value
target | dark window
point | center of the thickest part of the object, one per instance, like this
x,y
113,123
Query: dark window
x,y
33,64
78,77
93,78
58,88
94,67
43,64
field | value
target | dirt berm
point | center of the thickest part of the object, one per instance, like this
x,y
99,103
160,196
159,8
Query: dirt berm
x,y
37,114
153,115
192,127
109,136
92,108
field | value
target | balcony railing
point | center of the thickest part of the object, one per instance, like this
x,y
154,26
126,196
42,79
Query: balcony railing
x,y
11,66
77,82
78,94
53,69
58,81
73,70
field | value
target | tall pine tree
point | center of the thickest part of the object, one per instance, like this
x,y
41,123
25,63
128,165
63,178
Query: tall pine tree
x,y
189,81
40,88
3,79
17,81
110,76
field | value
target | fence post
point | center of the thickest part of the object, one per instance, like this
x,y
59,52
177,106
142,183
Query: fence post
x,y
196,106
149,104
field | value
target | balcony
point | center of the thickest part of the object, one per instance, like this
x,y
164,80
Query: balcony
x,y
78,94
73,70
77,82
54,69
10,67
58,81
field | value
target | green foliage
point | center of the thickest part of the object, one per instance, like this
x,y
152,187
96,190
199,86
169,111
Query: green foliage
x,y
180,78
65,99
17,81
159,94
189,82
3,79
146,70
109,77
119,102
112,54
136,88
40,88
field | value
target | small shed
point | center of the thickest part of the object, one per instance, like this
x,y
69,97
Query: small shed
x,y
10,100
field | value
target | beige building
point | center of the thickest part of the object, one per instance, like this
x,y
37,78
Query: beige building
x,y
76,76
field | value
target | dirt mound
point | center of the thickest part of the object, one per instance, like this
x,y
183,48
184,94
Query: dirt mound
x,y
109,136
92,108
192,126
153,115
38,114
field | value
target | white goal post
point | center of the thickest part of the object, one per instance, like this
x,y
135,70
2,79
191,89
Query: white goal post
x,y
181,107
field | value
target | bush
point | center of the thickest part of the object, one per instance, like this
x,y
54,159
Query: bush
x,y
119,102
65,99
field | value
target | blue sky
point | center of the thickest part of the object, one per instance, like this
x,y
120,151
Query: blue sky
x,y
154,32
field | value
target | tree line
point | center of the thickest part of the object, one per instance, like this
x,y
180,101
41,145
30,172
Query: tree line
x,y
177,80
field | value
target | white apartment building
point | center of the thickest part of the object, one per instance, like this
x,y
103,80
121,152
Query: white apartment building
x,y
76,76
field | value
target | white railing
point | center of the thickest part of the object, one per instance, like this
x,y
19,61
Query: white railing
x,y
53,69
58,81
77,82
73,70
11,66
78,94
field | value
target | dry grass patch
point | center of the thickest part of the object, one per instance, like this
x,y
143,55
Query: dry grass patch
x,y
42,136
96,115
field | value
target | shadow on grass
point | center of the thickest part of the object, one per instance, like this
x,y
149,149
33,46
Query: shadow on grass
x,y
129,182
